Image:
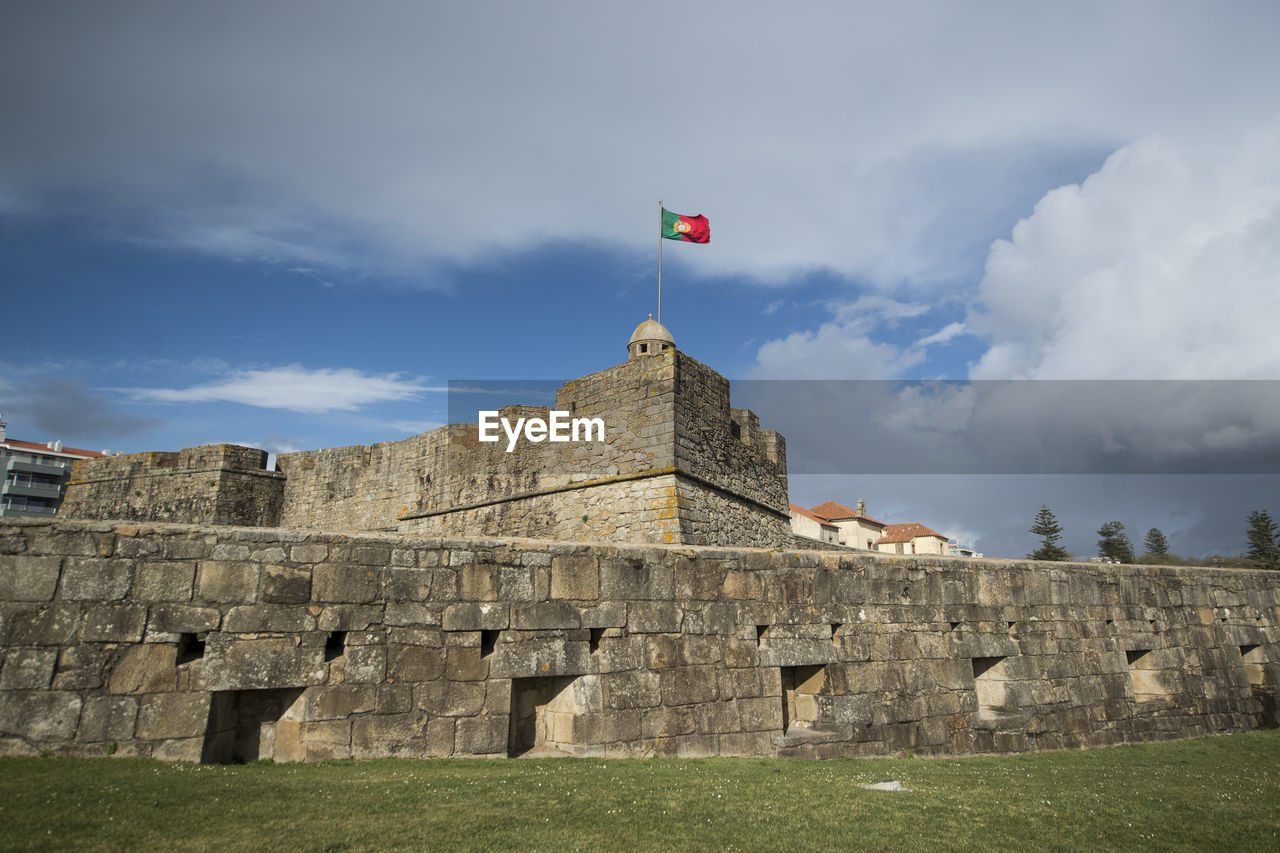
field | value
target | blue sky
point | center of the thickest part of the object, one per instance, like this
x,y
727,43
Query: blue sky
x,y
290,224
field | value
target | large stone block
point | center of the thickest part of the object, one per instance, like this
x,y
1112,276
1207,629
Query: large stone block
x,y
173,715
94,579
228,582
344,582
475,616
261,664
150,668
389,735
107,718
485,735
27,578
28,669
414,663
285,585
163,580
545,615
39,716
110,623
182,619
575,577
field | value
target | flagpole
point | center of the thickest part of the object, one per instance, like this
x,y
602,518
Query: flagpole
x,y
659,261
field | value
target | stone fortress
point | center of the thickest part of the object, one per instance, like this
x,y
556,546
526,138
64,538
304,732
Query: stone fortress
x,y
636,596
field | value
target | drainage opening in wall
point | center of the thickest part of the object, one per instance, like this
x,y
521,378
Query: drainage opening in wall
x,y
593,639
248,725
1144,675
335,645
762,633
800,688
542,715
191,647
488,642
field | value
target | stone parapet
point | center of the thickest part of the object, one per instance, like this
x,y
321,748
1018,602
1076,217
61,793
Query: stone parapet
x,y
222,643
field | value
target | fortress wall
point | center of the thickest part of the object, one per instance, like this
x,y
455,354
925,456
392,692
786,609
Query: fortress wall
x,y
752,464
582,514
214,484
362,487
181,641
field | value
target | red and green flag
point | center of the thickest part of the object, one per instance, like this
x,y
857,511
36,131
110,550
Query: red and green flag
x,y
690,229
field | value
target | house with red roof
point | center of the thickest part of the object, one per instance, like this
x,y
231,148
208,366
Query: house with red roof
x,y
35,475
853,527
912,538
838,524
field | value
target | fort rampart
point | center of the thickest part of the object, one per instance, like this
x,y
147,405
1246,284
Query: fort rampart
x,y
223,643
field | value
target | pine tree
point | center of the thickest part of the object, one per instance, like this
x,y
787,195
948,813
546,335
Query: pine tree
x,y
1264,541
1047,526
1114,544
1155,543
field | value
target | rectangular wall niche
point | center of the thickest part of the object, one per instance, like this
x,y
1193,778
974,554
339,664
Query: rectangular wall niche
x,y
1254,664
248,725
800,688
1144,675
542,716
990,684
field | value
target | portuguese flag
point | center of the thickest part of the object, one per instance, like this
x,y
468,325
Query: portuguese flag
x,y
690,229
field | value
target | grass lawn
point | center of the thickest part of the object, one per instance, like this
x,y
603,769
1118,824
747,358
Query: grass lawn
x,y
1207,794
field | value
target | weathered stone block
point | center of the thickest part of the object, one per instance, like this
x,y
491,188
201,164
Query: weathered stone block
x,y
148,668
228,582
254,618
389,735
114,623
107,718
39,716
653,617
339,701
241,664
181,619
81,667
414,663
347,617
163,580
465,664
412,614
575,577
474,616
478,581
27,578
545,615
94,579
366,664
635,689
405,584
688,685
28,669
486,735
173,715
285,585
344,582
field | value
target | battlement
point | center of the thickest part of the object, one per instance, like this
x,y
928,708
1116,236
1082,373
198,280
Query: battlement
x,y
214,484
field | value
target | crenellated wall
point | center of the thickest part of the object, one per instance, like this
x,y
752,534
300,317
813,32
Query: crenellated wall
x,y
221,643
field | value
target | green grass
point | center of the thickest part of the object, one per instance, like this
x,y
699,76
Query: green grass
x,y
1211,793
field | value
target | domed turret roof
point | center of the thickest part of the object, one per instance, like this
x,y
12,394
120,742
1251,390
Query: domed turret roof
x,y
651,330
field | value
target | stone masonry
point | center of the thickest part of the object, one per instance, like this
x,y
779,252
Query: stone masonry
x,y
220,643
678,466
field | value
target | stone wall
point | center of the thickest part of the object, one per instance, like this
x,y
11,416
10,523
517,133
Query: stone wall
x,y
183,642
214,484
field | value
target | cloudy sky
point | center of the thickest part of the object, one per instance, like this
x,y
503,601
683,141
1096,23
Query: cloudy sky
x,y
290,224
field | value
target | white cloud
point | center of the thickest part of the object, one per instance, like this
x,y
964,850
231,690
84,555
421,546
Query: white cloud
x,y
1163,264
294,388
847,348
887,142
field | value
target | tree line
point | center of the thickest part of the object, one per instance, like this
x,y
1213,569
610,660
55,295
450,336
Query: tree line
x,y
1114,545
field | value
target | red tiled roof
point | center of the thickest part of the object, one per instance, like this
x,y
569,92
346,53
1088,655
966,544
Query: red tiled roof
x,y
44,448
799,510
832,511
905,533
